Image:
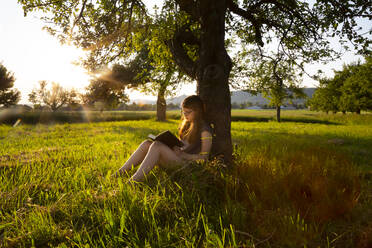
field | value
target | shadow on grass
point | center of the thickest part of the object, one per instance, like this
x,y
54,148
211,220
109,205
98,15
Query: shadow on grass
x,y
306,120
10,118
281,142
283,119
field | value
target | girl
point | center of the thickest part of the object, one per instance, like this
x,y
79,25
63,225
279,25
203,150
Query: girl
x,y
194,133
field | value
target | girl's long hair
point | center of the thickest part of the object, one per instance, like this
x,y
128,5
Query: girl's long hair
x,y
190,130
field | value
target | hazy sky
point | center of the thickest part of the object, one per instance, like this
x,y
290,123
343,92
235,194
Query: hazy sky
x,y
34,55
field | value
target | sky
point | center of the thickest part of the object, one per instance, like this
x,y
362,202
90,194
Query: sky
x,y
32,55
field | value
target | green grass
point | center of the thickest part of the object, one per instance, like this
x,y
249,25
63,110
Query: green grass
x,y
305,182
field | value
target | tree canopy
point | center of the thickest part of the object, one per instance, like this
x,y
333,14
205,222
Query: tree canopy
x,y
151,70
8,96
109,28
350,90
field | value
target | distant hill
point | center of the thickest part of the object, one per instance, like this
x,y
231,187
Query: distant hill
x,y
236,97
242,96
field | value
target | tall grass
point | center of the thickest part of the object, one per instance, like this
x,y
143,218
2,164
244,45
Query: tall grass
x,y
294,184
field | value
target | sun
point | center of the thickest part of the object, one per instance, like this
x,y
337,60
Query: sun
x,y
34,55
62,68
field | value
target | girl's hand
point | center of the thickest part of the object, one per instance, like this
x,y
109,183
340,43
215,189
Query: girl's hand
x,y
178,151
185,143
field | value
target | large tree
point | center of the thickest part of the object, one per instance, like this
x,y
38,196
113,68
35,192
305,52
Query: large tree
x,y
8,96
198,31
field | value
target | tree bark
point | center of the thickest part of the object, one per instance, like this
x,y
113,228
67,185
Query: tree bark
x,y
278,113
213,73
161,105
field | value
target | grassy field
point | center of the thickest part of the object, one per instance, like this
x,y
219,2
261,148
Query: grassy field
x,y
305,182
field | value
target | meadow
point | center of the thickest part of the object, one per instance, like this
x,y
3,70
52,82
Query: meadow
x,y
305,182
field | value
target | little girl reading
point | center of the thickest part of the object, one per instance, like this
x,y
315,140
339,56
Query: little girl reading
x,y
194,132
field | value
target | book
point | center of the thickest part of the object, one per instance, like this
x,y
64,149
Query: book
x,y
167,138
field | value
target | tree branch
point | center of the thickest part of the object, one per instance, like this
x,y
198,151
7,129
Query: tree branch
x,y
30,6
254,15
180,56
80,15
111,58
189,7
247,15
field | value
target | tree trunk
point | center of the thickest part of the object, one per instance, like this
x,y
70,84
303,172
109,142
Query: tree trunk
x,y
357,111
278,113
161,105
213,73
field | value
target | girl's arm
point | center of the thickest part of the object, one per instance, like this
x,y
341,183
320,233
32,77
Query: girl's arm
x,y
206,145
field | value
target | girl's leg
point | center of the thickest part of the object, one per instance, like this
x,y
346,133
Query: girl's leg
x,y
136,158
156,153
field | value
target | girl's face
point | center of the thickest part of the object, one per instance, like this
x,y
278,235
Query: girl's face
x,y
189,114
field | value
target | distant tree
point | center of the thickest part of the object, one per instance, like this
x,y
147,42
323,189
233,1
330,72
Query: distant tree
x,y
356,90
140,107
349,90
152,70
149,79
245,105
54,97
275,77
173,106
104,94
324,98
8,96
235,105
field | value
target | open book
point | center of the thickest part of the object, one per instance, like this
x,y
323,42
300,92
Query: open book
x,y
167,138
